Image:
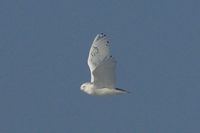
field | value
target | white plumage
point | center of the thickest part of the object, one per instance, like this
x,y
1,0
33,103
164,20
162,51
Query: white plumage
x,y
102,68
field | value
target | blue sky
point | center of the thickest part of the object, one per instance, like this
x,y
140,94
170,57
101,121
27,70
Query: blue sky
x,y
44,46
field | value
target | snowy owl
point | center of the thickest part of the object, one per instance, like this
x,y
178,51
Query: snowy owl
x,y
102,68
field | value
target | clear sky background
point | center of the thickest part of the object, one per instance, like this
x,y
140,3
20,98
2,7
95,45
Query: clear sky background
x,y
44,46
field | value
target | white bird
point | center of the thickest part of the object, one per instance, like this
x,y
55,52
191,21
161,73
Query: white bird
x,y
102,68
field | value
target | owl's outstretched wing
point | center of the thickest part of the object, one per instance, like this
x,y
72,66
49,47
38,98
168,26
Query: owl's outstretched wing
x,y
104,75
100,62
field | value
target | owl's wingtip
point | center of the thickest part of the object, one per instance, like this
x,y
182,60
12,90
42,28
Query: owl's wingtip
x,y
122,90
